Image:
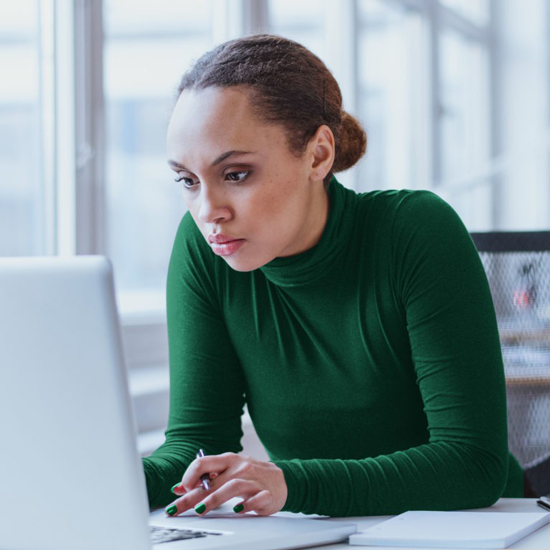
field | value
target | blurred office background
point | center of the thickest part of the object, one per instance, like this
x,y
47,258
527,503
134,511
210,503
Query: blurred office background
x,y
454,95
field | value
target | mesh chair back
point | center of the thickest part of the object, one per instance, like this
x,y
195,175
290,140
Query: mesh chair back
x,y
518,270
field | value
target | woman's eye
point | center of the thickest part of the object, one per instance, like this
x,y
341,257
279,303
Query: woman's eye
x,y
187,182
237,176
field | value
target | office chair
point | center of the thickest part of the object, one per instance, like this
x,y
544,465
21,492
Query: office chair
x,y
518,269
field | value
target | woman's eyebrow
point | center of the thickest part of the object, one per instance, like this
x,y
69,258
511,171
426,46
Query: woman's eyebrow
x,y
221,158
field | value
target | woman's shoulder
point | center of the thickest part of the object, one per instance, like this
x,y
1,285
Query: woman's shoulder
x,y
409,223
401,200
405,208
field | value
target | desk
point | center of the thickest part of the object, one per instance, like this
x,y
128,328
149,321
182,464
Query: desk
x,y
539,540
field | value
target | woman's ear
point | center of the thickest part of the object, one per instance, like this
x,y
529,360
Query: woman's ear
x,y
322,151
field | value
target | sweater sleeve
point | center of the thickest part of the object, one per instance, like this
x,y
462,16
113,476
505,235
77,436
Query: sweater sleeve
x,y
202,361
441,286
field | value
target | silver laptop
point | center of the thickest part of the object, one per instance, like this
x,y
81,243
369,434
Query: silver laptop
x,y
70,474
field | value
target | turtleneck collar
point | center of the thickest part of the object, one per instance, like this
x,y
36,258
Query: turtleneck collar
x,y
307,267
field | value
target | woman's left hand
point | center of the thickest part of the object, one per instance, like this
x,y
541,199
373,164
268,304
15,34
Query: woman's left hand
x,y
261,485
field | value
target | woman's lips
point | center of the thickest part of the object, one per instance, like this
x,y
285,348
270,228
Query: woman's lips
x,y
223,245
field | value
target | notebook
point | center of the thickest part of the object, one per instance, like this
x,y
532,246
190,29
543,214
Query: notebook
x,y
70,473
422,529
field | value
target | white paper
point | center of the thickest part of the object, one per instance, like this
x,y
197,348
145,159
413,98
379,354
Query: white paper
x,y
423,529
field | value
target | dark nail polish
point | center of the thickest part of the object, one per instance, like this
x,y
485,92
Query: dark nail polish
x,y
238,508
172,489
200,508
172,510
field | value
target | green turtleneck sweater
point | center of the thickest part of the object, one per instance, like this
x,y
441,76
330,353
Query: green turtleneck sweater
x,y
370,363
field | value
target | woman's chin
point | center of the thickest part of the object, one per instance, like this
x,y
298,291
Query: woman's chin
x,y
245,264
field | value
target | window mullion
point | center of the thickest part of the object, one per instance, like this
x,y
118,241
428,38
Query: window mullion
x,y
90,188
229,19
65,156
495,102
79,127
256,15
435,91
46,64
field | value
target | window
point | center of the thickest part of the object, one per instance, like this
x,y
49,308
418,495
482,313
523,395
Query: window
x,y
465,123
393,96
145,53
301,21
475,10
464,105
24,141
426,88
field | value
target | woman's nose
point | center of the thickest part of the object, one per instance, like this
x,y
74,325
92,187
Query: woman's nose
x,y
213,207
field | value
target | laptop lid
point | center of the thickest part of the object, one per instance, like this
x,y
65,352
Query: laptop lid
x,y
70,473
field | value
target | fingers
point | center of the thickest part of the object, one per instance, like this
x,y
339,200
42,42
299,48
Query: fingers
x,y
254,500
188,501
179,489
233,488
195,496
191,485
261,503
206,465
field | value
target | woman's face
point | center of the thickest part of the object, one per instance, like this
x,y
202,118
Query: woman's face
x,y
252,199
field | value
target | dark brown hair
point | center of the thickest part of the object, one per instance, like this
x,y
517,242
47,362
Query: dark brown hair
x,y
289,85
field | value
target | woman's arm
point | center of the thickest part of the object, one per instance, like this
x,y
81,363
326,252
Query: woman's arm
x,y
206,381
442,288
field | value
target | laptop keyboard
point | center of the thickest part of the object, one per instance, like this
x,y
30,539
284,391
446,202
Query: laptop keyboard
x,y
165,534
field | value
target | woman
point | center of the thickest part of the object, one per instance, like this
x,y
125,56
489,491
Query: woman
x,y
358,328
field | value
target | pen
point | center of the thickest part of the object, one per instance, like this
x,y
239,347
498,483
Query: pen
x,y
205,477
544,502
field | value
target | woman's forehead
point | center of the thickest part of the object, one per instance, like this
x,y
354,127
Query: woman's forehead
x,y
218,119
214,106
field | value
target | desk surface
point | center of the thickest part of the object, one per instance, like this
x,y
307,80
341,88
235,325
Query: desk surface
x,y
539,540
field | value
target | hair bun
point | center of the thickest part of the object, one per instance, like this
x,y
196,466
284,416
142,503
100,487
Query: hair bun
x,y
351,143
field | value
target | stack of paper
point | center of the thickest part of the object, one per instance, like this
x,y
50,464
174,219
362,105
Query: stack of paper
x,y
419,529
